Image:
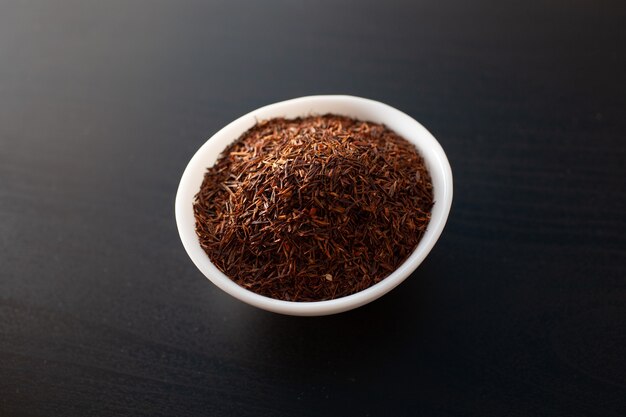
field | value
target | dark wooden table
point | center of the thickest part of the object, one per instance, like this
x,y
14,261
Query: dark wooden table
x,y
520,310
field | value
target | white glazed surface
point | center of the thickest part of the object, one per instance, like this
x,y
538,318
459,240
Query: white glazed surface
x,y
356,107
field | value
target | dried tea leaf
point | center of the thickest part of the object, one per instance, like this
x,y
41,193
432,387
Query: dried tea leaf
x,y
293,200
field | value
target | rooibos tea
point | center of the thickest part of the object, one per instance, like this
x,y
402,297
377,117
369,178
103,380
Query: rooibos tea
x,y
313,208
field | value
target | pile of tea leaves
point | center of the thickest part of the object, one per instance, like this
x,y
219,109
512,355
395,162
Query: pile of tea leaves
x,y
313,208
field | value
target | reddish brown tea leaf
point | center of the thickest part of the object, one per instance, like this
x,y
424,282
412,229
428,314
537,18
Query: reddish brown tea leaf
x,y
313,208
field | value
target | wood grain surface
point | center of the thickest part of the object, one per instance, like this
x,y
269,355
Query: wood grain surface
x,y
520,310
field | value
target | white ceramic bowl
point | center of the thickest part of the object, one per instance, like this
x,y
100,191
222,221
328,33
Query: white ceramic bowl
x,y
356,107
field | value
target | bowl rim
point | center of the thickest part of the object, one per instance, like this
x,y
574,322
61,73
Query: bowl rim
x,y
430,149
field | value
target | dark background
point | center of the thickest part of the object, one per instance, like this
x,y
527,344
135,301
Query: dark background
x,y
520,310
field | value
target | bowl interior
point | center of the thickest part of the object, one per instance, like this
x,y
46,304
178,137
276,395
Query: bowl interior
x,y
355,107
